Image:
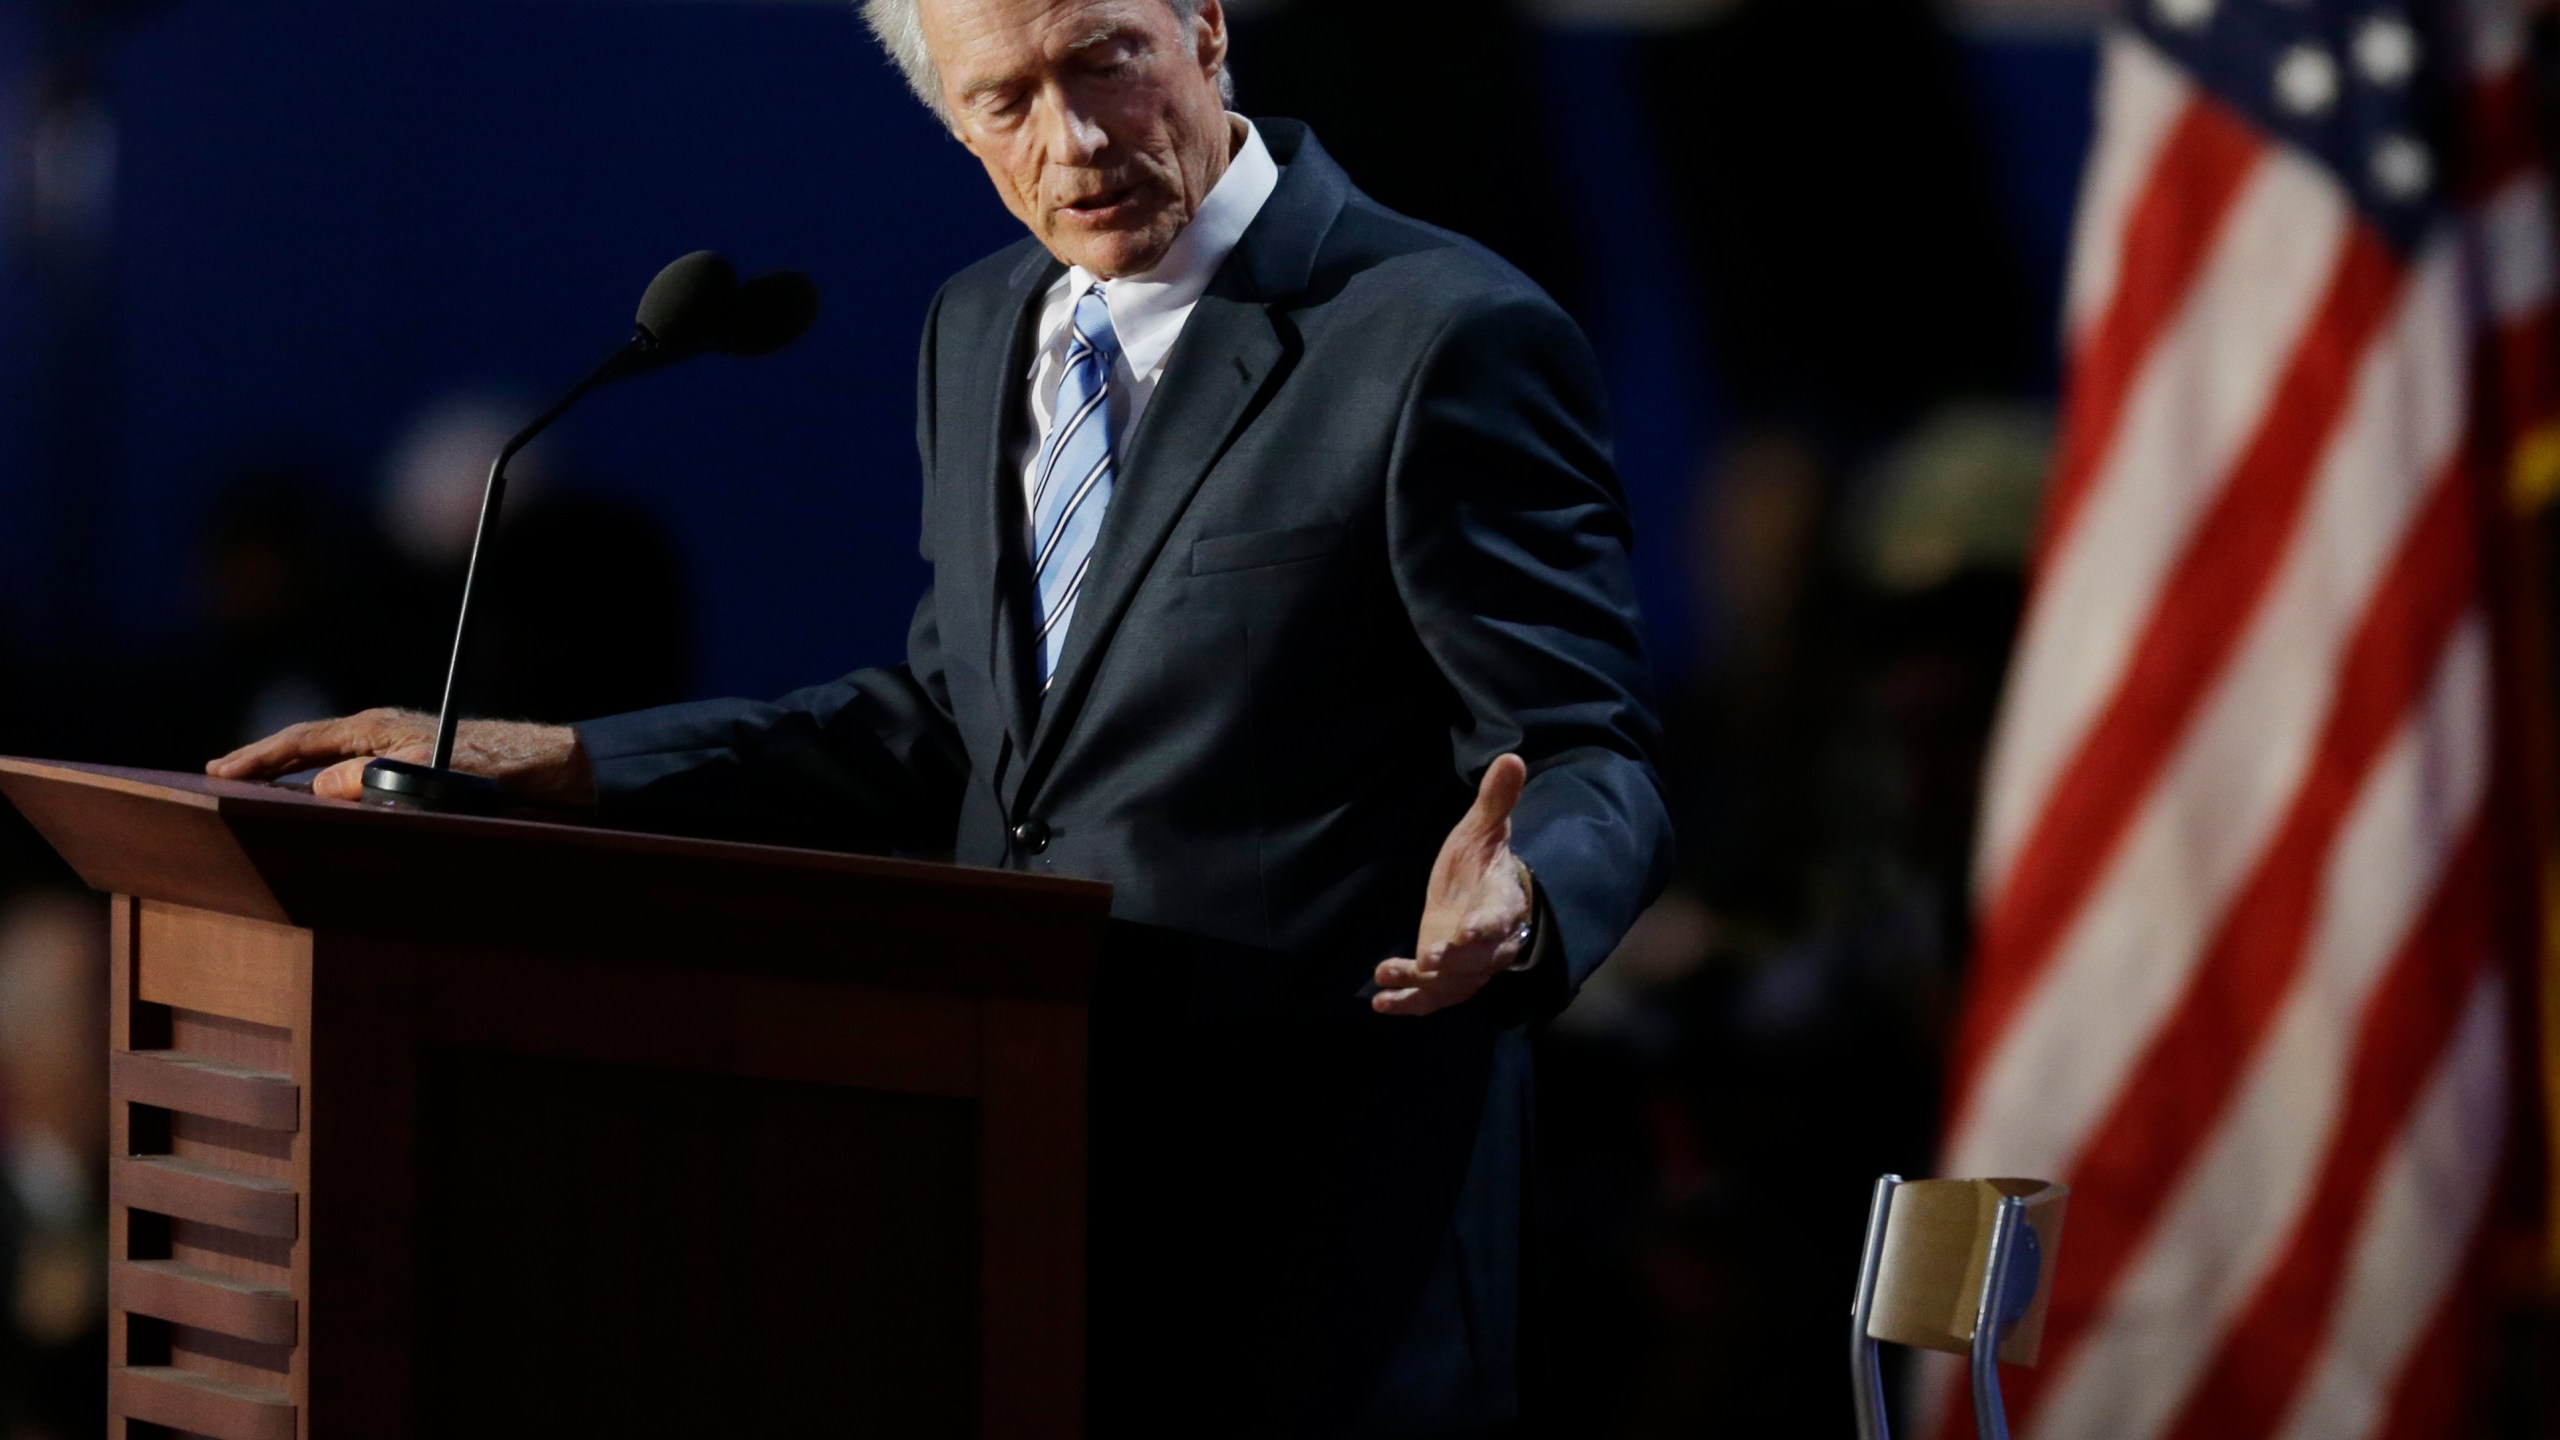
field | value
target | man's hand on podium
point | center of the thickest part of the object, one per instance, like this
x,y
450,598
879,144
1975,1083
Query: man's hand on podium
x,y
538,764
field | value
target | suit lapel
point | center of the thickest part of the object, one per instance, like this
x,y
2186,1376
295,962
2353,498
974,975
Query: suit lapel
x,y
1227,352
987,416
1230,355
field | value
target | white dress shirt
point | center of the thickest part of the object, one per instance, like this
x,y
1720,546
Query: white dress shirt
x,y
1148,310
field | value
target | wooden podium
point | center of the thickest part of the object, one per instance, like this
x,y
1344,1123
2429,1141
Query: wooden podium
x,y
434,1126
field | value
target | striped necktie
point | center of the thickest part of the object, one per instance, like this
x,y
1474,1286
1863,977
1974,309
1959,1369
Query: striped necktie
x,y
1073,487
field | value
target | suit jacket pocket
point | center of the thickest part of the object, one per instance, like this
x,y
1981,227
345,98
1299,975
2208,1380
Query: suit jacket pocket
x,y
1265,547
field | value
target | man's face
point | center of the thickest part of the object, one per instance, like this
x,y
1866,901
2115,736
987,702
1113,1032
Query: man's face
x,y
1099,120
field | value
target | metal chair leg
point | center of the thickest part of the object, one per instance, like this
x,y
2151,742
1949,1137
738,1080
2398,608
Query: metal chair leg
x,y
1866,1379
2009,1276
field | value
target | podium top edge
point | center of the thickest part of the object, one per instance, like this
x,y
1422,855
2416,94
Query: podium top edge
x,y
248,798
150,784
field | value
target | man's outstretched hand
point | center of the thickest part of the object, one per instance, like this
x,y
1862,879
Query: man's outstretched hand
x,y
1476,913
538,764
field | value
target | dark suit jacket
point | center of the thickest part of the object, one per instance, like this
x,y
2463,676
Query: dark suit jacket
x,y
1365,539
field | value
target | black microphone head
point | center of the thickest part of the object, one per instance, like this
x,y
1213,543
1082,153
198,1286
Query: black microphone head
x,y
688,307
771,312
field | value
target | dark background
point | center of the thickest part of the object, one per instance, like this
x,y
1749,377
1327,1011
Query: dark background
x,y
325,217
253,249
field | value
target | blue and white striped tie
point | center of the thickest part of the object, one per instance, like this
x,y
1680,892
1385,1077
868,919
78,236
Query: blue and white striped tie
x,y
1073,487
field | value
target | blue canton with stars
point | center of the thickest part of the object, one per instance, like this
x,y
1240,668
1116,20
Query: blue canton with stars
x,y
2350,83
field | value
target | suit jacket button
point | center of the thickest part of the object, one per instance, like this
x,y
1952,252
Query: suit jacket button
x,y
1031,837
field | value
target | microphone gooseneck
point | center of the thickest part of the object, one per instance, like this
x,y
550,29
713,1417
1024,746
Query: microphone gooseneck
x,y
493,495
694,305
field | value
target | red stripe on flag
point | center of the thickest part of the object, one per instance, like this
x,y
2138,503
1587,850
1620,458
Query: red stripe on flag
x,y
2208,155
2407,1026
2498,139
2203,609
2168,1106
2519,356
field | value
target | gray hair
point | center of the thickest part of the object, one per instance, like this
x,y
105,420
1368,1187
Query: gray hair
x,y
900,31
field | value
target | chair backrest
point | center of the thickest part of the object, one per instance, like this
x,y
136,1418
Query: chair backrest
x,y
1937,1246
1961,1266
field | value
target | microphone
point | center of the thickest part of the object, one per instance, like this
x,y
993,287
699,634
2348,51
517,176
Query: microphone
x,y
687,305
695,305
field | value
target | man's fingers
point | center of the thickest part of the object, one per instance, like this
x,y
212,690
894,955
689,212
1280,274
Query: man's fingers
x,y
1405,988
342,781
1408,1002
1475,957
1400,974
1488,940
318,742
1475,878
252,759
286,750
1488,821
345,780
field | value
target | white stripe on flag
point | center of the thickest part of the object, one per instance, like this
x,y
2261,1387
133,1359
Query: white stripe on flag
x,y
2232,1213
2051,1074
2512,240
2427,1206
2140,96
2202,392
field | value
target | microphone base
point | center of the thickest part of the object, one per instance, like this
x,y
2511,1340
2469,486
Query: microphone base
x,y
400,785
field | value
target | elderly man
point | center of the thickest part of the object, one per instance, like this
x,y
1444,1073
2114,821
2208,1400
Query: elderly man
x,y
1280,580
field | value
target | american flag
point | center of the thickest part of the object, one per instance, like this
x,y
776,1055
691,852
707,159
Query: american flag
x,y
2243,961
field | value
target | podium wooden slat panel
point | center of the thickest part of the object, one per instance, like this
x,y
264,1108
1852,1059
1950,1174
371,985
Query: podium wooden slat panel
x,y
175,1080
192,1190
185,1294
200,1404
197,959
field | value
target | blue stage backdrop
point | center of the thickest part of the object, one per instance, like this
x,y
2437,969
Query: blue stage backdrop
x,y
333,214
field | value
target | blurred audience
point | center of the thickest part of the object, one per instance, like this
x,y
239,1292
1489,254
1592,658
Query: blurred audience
x,y
1720,1101
1503,188
1827,174
53,1151
582,611
277,569
1766,1042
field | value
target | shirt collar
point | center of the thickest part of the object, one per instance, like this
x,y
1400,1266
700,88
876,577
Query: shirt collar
x,y
1147,309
